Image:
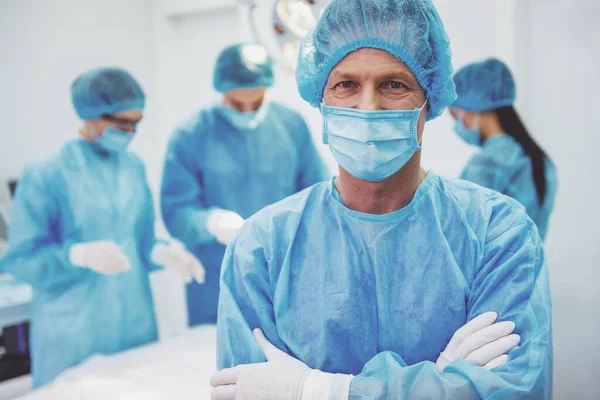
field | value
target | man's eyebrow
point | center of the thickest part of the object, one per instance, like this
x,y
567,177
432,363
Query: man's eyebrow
x,y
341,75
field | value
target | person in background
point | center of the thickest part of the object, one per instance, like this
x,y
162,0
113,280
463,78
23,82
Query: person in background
x,y
82,234
389,281
510,161
229,161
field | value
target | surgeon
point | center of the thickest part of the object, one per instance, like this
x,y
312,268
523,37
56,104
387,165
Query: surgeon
x,y
82,234
509,161
230,160
389,281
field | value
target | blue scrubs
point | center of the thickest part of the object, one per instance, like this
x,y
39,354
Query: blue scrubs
x,y
211,164
79,194
502,165
380,296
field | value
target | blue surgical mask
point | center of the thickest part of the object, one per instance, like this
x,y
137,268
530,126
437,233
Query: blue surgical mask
x,y
113,139
245,120
371,145
471,136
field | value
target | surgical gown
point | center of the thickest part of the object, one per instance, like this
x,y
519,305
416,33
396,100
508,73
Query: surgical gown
x,y
80,194
504,167
380,296
210,164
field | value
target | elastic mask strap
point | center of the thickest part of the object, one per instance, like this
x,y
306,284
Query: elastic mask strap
x,y
420,143
324,134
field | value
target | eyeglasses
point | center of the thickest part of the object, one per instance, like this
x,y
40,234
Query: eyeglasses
x,y
122,123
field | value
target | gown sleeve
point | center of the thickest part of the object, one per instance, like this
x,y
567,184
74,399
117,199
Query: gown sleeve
x,y
183,211
36,255
513,281
485,172
244,302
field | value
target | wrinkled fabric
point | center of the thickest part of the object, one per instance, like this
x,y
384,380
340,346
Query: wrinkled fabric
x,y
81,194
380,296
485,85
106,91
243,66
503,166
410,30
210,164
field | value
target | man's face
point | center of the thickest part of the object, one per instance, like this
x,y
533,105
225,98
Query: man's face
x,y
125,121
373,79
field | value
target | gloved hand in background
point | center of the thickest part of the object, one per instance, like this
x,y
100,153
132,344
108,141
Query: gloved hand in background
x,y
176,258
104,257
224,225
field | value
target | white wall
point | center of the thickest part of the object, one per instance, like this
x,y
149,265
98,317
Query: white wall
x,y
45,45
561,89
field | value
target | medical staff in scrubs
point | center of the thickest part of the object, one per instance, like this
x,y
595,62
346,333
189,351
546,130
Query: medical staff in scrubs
x,y
509,161
82,234
356,285
230,160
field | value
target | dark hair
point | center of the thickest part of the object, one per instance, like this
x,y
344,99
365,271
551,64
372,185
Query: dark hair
x,y
513,126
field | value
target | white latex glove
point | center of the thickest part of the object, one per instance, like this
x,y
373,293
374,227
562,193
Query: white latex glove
x,y
224,225
104,257
481,342
282,377
176,258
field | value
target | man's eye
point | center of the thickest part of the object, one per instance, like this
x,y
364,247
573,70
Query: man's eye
x,y
347,84
395,85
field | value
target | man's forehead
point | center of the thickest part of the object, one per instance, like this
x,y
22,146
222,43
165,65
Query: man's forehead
x,y
243,95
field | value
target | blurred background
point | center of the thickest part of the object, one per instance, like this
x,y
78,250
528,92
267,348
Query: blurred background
x,y
170,46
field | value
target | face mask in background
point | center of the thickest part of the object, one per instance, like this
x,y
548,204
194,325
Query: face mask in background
x,y
113,139
245,120
471,136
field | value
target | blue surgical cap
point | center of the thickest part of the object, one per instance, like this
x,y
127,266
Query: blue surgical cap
x,y
410,30
105,91
243,66
484,86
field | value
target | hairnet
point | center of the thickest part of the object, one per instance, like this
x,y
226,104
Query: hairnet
x,y
243,66
105,91
484,86
410,30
